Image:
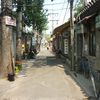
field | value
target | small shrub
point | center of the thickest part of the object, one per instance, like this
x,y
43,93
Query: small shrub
x,y
18,68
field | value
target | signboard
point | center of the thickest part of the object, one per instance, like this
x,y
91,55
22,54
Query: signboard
x,y
65,46
10,21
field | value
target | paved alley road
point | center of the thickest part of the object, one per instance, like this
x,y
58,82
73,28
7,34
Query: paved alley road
x,y
44,79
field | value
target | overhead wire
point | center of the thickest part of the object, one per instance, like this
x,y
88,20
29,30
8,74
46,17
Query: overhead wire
x,y
76,3
49,4
67,8
62,9
65,11
56,9
54,4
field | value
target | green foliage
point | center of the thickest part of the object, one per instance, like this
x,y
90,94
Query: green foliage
x,y
35,14
78,7
18,68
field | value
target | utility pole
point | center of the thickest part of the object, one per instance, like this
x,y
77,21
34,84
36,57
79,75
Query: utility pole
x,y
72,33
53,17
53,20
53,23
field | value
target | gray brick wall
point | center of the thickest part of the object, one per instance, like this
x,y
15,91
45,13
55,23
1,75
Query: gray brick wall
x,y
0,38
97,65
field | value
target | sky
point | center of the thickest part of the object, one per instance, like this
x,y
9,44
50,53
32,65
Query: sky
x,y
58,11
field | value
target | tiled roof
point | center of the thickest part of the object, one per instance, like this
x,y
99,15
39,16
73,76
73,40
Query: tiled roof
x,y
90,9
60,28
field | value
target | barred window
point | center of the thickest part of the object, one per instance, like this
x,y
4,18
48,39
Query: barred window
x,y
92,44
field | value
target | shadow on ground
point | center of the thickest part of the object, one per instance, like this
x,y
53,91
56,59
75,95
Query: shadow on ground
x,y
50,61
53,61
40,62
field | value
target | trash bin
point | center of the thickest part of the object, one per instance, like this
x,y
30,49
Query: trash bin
x,y
11,77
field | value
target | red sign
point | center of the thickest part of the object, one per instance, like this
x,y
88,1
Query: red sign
x,y
10,21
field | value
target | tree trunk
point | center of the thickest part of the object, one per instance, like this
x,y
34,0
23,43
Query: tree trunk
x,y
19,35
7,67
6,55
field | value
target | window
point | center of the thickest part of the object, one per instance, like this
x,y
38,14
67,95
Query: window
x,y
92,37
92,44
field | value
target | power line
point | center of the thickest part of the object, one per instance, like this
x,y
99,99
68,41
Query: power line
x,y
62,9
67,8
43,4
54,4
56,9
76,3
65,12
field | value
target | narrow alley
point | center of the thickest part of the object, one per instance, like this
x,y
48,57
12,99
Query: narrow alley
x,y
43,78
49,49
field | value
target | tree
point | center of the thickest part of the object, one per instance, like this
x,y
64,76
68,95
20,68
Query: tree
x,y
78,7
19,30
7,62
19,15
33,15
36,15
